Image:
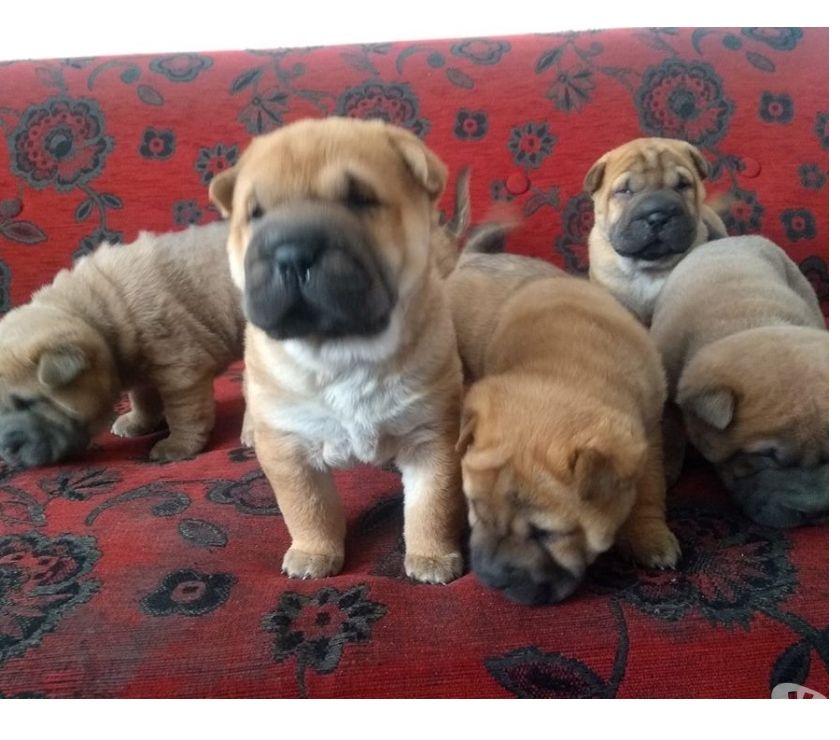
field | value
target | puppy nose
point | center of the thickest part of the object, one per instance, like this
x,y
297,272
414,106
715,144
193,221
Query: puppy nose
x,y
657,218
294,259
542,583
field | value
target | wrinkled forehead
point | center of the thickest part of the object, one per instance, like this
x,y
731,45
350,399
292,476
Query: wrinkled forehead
x,y
315,164
652,167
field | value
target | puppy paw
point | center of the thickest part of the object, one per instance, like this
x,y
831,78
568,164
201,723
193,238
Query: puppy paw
x,y
172,448
435,569
653,546
131,425
246,438
298,564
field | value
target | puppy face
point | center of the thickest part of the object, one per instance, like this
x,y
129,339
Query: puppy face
x,y
756,405
647,196
542,505
56,389
330,225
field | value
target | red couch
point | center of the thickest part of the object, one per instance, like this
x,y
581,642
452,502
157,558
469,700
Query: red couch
x,y
120,577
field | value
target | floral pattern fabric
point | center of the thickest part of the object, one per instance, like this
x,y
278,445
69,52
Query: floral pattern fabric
x,y
119,577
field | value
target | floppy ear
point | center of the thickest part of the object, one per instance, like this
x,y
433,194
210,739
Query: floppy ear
x,y
469,420
715,406
699,161
594,177
221,190
61,365
599,468
422,162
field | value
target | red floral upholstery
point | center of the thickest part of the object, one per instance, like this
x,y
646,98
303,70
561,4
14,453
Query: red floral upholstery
x,y
120,577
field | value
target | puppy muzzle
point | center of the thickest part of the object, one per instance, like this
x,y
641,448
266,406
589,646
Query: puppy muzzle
x,y
534,580
781,496
655,227
311,271
29,440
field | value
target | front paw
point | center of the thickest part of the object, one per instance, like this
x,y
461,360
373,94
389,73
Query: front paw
x,y
651,545
434,569
173,448
132,425
299,564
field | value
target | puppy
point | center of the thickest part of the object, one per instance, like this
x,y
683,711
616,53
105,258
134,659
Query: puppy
x,y
158,317
648,197
746,354
560,433
350,348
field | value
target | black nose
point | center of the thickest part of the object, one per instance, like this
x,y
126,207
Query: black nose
x,y
295,259
657,218
541,582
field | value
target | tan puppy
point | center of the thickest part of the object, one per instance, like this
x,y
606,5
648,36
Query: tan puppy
x,y
746,353
560,430
157,317
648,197
350,348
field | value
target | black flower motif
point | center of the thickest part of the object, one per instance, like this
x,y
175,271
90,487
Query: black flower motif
x,y
531,143
181,67
821,129
571,90
482,51
578,218
189,593
242,454
744,213
684,100
781,39
730,569
18,508
799,224
60,142
315,629
529,673
80,485
811,176
264,111
186,212
776,108
41,578
214,160
815,269
470,124
394,103
251,494
499,191
157,144
92,241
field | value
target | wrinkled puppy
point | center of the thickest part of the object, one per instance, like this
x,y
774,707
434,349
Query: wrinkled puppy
x,y
157,317
560,431
350,349
649,206
746,354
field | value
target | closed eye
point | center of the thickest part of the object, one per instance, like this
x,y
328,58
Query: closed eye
x,y
19,403
359,196
255,211
684,185
623,191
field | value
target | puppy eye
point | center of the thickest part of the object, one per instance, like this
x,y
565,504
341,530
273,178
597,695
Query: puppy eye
x,y
256,211
684,185
360,196
539,533
623,192
19,403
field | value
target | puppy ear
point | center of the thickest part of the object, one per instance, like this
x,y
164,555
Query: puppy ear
x,y
594,177
600,468
469,420
221,190
715,406
699,161
422,162
61,365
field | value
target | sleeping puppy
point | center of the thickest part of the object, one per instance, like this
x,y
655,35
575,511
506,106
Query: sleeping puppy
x,y
561,430
746,354
350,349
649,205
158,318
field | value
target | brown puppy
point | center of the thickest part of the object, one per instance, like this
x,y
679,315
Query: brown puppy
x,y
746,354
157,317
560,430
649,212
350,348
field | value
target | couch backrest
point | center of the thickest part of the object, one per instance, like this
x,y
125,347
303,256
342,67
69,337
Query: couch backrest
x,y
101,148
